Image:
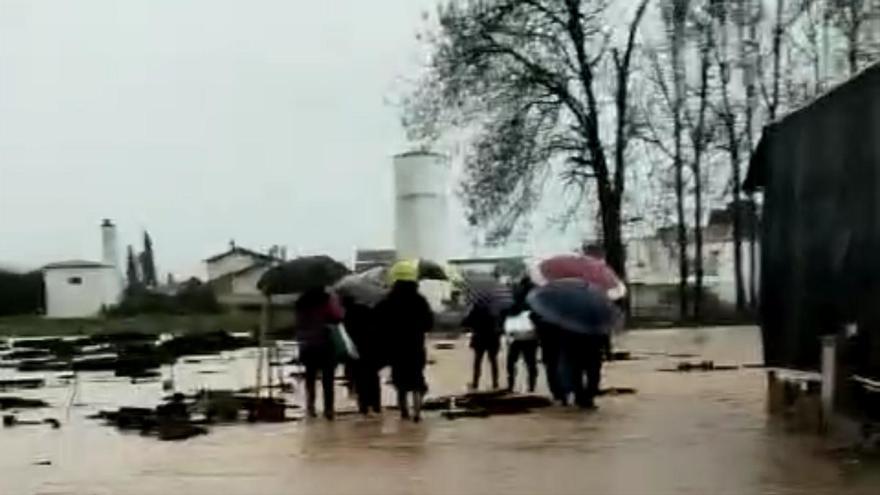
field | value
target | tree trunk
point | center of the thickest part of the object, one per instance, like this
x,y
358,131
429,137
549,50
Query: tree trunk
x,y
699,145
733,151
609,199
748,59
737,226
612,216
678,71
615,253
777,59
853,51
698,240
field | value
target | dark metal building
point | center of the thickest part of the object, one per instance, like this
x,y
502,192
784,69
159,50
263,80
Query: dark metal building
x,y
819,170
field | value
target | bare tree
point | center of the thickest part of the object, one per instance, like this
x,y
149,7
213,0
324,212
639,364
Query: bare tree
x,y
523,75
796,55
851,18
728,112
747,29
689,36
700,134
676,19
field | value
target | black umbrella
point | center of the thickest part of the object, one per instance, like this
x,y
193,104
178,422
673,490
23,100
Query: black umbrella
x,y
302,274
574,305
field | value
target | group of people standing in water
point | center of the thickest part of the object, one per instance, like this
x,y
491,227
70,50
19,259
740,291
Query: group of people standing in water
x,y
390,334
572,362
393,332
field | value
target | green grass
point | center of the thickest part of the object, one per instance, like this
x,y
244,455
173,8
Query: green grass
x,y
33,326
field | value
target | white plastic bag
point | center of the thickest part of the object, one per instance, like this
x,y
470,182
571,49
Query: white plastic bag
x,y
520,327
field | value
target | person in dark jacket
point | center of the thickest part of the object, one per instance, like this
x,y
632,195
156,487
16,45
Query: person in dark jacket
x,y
316,312
580,366
549,339
405,317
361,327
485,341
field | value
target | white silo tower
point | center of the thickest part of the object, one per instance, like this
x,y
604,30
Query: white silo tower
x,y
421,183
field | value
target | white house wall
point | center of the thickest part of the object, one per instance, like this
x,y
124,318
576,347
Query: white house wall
x,y
228,264
98,288
246,283
652,262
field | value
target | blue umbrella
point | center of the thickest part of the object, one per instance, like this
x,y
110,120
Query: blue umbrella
x,y
574,305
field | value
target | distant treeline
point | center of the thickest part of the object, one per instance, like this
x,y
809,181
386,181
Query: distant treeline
x,y
21,293
193,297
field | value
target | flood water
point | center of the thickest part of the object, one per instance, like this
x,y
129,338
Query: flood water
x,y
696,433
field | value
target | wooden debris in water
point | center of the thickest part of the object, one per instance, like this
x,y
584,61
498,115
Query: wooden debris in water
x,y
613,391
29,383
11,420
175,431
465,413
495,402
11,402
687,367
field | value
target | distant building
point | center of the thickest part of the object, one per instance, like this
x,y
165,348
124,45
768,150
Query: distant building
x,y
233,274
818,168
653,270
82,289
235,259
366,259
503,266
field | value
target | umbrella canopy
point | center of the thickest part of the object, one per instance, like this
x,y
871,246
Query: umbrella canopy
x,y
486,290
301,274
415,270
364,288
574,305
593,271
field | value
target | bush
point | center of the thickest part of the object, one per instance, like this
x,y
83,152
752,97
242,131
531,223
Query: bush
x,y
21,293
192,297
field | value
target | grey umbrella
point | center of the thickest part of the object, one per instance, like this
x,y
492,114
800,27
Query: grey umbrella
x,y
365,288
484,289
575,306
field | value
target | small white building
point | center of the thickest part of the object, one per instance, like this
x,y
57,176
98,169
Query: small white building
x,y
652,263
233,274
82,289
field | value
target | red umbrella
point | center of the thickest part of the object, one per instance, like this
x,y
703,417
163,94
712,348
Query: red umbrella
x,y
593,271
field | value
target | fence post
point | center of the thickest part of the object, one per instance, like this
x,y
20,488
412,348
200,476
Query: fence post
x,y
829,377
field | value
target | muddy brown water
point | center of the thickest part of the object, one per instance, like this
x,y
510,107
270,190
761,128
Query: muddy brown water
x,y
693,433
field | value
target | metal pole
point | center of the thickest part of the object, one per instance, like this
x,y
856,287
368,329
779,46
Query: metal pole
x,y
261,338
829,377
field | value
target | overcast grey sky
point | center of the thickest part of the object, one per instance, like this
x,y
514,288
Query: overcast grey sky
x,y
201,120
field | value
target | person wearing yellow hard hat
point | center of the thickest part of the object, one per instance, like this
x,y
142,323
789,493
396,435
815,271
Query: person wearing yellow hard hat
x,y
404,271
406,317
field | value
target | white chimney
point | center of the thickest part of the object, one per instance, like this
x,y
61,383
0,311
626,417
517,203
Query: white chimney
x,y
109,253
